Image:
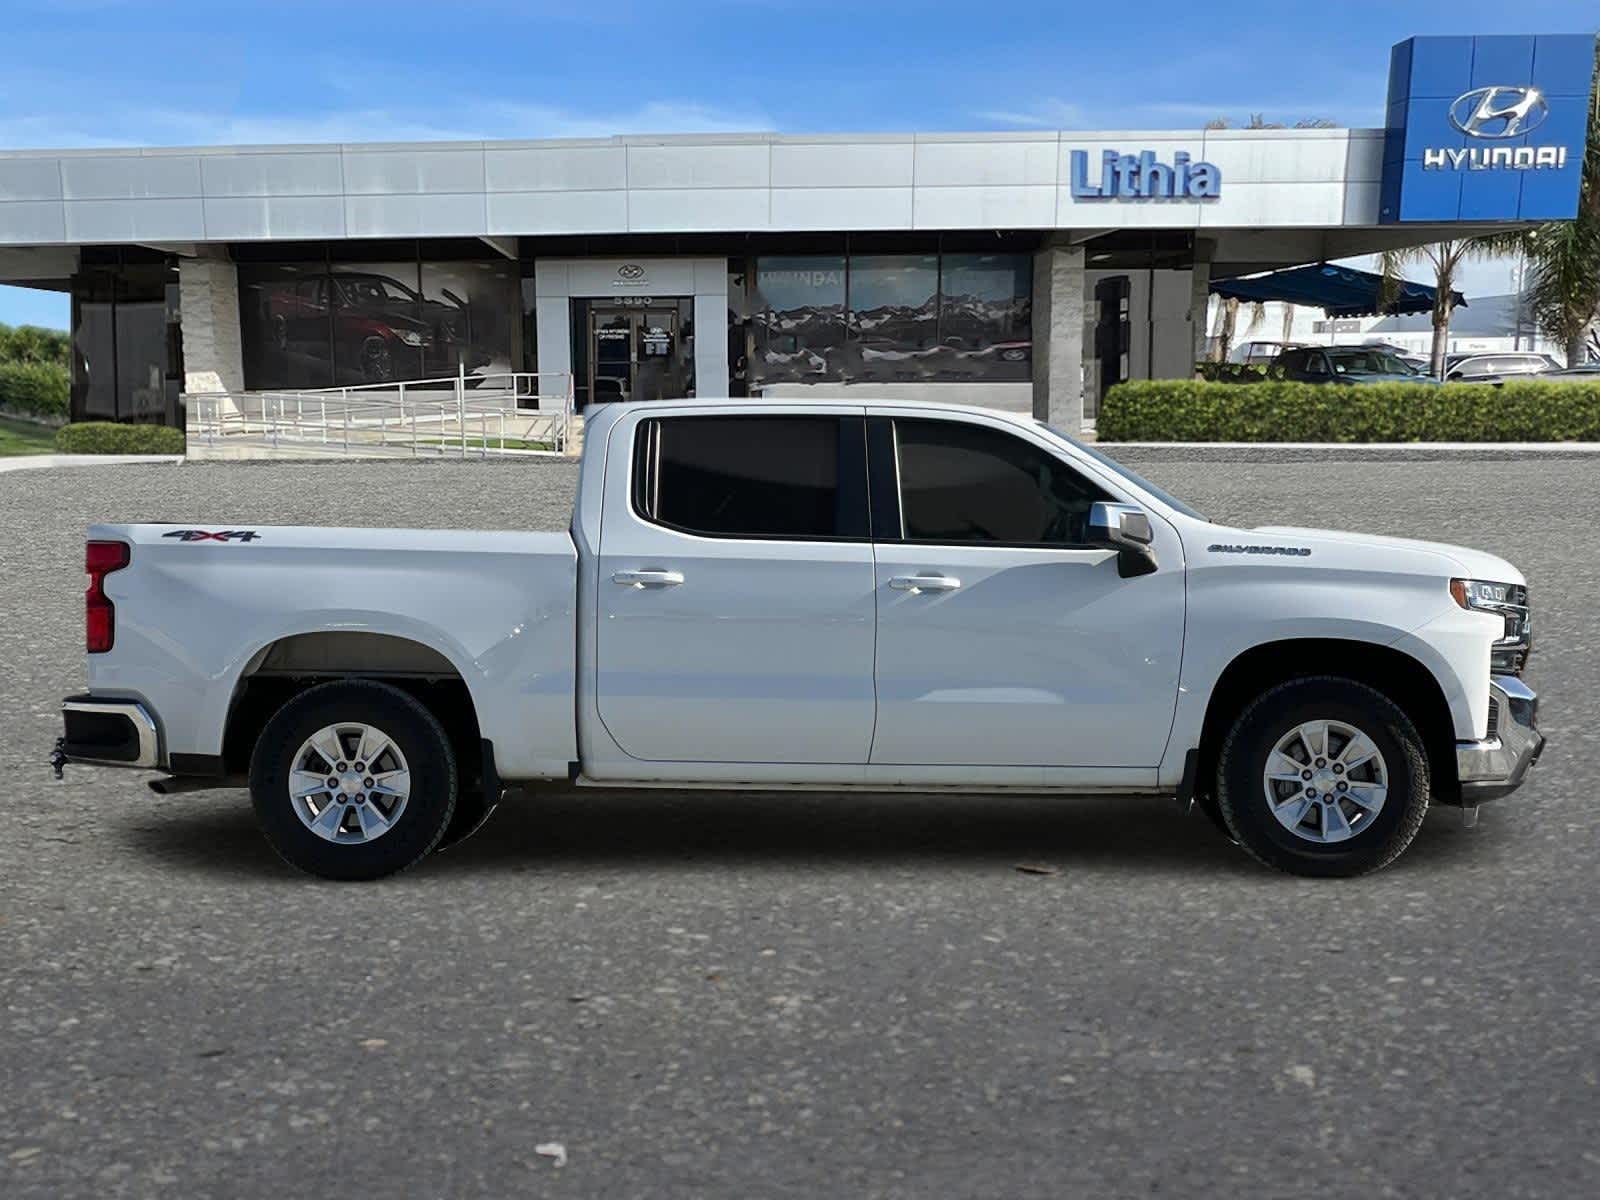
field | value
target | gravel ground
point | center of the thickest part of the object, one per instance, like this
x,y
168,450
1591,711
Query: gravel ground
x,y
811,995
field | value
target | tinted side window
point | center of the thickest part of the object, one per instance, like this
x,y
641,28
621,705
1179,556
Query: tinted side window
x,y
752,476
969,483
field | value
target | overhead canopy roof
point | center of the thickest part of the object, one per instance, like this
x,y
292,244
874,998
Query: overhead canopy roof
x,y
1338,291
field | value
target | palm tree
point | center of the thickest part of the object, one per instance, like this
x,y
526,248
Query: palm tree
x,y
1227,321
1445,258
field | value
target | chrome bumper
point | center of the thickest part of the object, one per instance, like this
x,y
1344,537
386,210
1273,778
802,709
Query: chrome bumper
x,y
1495,766
117,733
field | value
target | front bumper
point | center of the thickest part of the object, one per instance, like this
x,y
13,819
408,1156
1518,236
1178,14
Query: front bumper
x,y
1496,766
110,732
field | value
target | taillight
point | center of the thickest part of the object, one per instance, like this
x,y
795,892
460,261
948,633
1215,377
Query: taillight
x,y
100,615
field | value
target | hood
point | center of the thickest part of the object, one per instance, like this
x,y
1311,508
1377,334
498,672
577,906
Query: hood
x,y
1465,561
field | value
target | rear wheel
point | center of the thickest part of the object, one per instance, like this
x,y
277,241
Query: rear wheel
x,y
353,780
1323,776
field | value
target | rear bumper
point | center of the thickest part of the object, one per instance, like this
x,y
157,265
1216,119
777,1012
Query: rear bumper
x,y
111,732
1497,765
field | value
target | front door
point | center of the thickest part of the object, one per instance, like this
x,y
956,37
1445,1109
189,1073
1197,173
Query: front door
x,y
634,355
735,614
1003,639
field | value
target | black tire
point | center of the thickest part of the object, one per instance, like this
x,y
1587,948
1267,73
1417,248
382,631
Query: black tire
x,y
420,738
1243,803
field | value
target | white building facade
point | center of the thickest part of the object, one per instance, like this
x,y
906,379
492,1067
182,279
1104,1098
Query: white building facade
x,y
1024,270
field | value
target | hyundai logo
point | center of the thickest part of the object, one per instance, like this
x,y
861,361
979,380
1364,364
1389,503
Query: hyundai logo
x,y
630,271
1499,112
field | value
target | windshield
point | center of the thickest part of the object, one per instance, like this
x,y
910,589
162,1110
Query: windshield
x,y
1132,477
1372,362
374,290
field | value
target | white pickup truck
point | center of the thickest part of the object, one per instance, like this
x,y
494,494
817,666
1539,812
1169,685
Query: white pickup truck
x,y
770,595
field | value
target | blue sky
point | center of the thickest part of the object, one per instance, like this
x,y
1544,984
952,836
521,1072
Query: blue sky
x,y
145,72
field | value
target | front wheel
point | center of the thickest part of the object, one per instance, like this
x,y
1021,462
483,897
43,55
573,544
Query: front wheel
x,y
353,780
1323,776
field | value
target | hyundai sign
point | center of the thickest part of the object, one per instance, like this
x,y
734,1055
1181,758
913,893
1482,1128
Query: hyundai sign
x,y
1486,128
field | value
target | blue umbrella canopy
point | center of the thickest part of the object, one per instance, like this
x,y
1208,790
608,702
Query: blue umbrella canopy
x,y
1338,291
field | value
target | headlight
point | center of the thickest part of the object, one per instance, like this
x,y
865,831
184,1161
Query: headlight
x,y
1508,601
410,337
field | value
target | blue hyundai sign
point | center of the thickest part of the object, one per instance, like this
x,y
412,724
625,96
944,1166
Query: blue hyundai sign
x,y
1486,128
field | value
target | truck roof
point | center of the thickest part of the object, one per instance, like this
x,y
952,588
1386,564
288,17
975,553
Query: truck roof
x,y
832,401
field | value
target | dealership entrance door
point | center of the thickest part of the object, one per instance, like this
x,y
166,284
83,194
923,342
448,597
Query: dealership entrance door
x,y
636,353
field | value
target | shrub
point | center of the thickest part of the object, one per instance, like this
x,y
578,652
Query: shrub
x,y
108,437
1187,410
34,390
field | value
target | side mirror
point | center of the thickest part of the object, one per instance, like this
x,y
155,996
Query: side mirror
x,y
1126,529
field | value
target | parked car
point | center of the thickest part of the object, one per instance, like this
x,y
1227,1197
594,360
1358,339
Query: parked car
x,y
1259,353
1344,364
866,596
1417,362
1494,367
1586,373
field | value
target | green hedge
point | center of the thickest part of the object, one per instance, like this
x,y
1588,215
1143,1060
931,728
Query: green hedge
x,y
1187,410
108,437
34,389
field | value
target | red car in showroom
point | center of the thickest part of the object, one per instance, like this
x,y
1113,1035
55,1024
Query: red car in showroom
x,y
381,329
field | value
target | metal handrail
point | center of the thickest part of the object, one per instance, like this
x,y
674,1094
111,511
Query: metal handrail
x,y
404,416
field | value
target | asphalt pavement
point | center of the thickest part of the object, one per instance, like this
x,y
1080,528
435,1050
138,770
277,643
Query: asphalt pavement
x,y
809,995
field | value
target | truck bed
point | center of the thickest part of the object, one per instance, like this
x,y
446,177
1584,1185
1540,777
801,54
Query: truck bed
x,y
202,606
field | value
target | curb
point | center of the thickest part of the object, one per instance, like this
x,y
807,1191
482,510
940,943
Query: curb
x,y
33,462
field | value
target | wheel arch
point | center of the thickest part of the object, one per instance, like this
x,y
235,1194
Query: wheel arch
x,y
1404,679
296,662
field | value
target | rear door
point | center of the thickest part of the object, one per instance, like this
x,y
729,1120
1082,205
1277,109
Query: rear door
x,y
1003,639
735,607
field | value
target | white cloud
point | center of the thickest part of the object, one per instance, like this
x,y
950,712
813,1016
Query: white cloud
x,y
1045,113
469,119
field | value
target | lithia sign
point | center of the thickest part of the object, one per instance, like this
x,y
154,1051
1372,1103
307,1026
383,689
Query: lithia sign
x,y
1143,177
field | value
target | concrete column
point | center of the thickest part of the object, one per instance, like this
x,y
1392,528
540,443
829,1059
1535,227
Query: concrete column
x,y
208,296
1058,308
710,327
1200,295
552,316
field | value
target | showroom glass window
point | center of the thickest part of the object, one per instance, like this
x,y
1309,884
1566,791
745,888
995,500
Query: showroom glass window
x,y
966,483
799,319
892,317
127,362
390,318
752,476
985,316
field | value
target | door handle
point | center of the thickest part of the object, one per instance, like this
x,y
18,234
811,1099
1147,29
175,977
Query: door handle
x,y
924,583
643,579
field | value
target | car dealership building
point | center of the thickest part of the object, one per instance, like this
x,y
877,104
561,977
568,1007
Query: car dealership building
x,y
1024,270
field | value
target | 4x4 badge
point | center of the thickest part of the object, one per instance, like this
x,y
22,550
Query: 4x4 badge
x,y
201,535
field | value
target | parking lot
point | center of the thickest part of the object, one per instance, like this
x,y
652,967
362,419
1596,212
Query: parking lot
x,y
809,995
